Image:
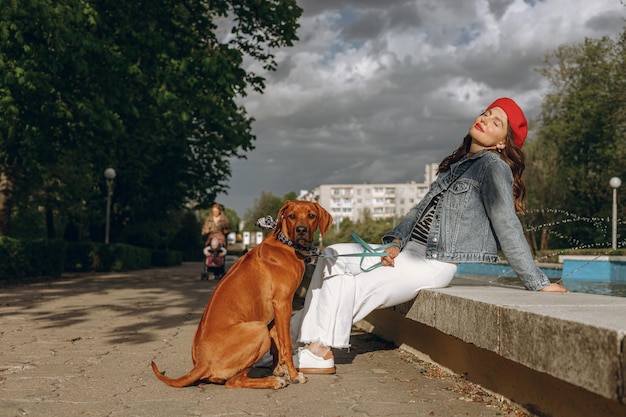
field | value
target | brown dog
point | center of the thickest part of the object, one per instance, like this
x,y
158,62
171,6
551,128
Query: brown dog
x,y
236,328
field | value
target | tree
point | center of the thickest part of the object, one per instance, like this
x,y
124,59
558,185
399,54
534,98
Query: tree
x,y
234,219
581,140
147,87
266,204
368,229
545,193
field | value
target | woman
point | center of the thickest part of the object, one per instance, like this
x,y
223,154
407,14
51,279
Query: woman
x,y
468,214
216,225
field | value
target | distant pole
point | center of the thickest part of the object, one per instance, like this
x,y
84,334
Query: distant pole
x,y
615,184
109,174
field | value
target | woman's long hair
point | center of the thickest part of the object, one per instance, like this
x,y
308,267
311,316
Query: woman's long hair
x,y
511,154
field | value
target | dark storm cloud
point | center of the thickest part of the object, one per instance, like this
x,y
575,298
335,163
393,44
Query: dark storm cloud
x,y
374,90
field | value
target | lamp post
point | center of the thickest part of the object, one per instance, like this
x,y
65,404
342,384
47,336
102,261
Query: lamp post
x,y
109,174
615,184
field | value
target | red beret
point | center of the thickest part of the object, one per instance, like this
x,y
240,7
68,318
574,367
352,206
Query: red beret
x,y
516,117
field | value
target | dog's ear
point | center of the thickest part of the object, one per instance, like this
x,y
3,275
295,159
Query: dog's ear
x,y
281,216
326,219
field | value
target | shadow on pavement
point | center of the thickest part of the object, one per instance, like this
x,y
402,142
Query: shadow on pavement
x,y
152,299
146,302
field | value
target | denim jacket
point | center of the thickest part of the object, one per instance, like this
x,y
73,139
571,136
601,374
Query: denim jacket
x,y
474,218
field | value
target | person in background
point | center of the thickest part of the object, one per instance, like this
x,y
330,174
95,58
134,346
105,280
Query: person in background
x,y
468,215
216,225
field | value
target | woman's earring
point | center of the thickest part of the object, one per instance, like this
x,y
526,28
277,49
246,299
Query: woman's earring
x,y
499,150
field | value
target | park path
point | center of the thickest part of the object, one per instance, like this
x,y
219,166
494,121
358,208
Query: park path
x,y
82,345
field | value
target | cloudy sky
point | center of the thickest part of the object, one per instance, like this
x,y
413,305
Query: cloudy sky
x,y
376,89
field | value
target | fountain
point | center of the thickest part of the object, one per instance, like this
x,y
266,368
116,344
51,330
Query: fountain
x,y
602,272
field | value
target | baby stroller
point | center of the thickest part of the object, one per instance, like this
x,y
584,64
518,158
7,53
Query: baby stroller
x,y
215,256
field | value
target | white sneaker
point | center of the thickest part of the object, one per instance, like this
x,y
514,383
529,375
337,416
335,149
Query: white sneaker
x,y
308,363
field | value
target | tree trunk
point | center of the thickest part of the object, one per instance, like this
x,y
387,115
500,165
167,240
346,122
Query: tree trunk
x,y
7,185
545,238
50,232
531,238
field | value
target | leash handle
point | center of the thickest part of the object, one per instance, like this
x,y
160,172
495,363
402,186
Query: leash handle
x,y
369,251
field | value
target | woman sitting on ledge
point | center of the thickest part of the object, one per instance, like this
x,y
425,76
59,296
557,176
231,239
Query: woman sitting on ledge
x,y
468,214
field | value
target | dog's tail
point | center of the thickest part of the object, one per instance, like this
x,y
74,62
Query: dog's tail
x,y
191,378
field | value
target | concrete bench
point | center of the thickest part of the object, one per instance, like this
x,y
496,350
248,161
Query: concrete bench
x,y
555,354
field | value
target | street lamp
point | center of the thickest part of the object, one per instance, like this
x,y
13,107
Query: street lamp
x,y
615,184
109,174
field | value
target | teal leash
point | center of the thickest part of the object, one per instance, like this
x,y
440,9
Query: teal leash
x,y
367,252
268,222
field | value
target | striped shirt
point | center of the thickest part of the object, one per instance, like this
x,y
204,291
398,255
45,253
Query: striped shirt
x,y
421,229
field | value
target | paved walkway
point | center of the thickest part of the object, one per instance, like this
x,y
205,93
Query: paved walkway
x,y
82,345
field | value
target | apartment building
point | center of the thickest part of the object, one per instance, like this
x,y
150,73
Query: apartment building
x,y
377,201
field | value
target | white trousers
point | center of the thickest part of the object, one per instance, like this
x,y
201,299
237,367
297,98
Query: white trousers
x,y
340,293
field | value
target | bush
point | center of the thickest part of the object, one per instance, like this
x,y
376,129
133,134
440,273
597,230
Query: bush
x,y
46,257
13,259
78,257
103,258
126,257
30,258
166,257
36,258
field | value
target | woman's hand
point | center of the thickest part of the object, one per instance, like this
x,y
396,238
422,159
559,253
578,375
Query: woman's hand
x,y
393,252
554,288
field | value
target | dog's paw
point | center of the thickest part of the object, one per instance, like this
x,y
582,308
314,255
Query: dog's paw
x,y
300,379
280,371
280,382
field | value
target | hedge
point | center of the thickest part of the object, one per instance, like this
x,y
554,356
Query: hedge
x,y
103,258
22,259
166,257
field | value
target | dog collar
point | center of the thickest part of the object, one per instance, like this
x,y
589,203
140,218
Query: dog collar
x,y
311,253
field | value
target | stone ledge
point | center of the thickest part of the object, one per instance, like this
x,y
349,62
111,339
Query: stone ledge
x,y
579,339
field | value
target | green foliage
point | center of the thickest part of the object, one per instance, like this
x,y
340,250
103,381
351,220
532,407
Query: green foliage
x,y
78,257
13,259
188,239
102,257
23,260
47,257
266,204
30,258
580,144
125,257
234,219
166,258
158,233
148,88
369,230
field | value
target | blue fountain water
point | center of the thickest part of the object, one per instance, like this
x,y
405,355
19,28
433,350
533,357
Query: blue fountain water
x,y
503,275
596,274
